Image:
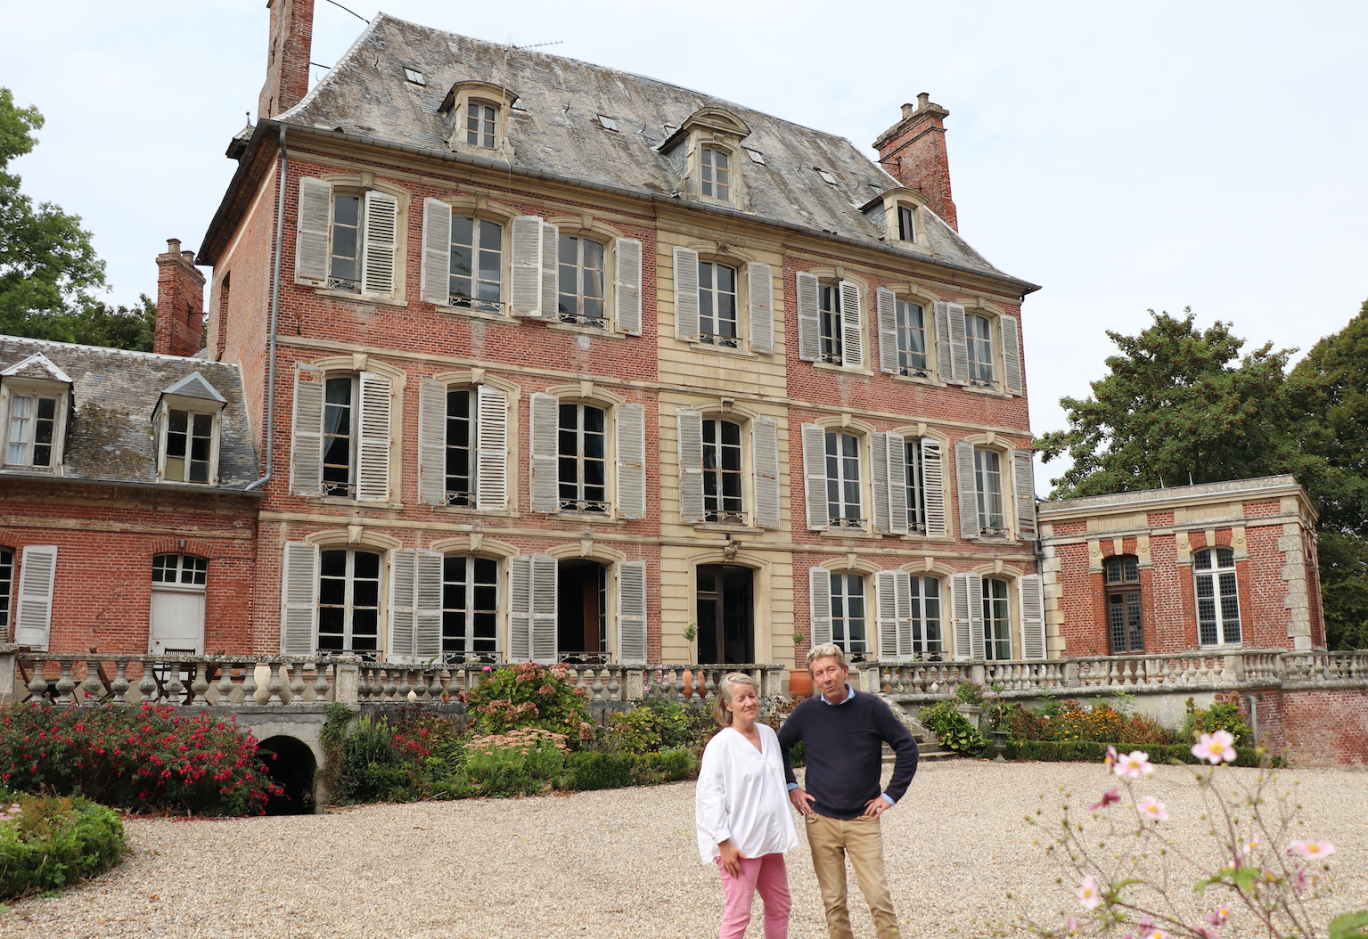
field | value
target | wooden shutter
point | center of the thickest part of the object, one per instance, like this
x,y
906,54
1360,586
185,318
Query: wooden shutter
x,y
491,486
819,604
544,572
37,579
968,491
299,599
403,578
520,609
632,612
809,323
814,468
902,592
306,457
878,466
432,409
690,425
1011,354
893,599
897,484
311,239
631,461
959,343
686,294
436,252
760,293
888,329
1032,617
427,606
765,459
933,486
1023,488
382,224
525,298
966,602
627,285
373,439
545,435
852,328
945,370
550,271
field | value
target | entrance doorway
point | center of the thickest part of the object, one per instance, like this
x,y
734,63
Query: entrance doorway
x,y
177,621
726,615
582,611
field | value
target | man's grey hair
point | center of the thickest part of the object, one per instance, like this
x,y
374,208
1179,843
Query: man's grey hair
x,y
827,650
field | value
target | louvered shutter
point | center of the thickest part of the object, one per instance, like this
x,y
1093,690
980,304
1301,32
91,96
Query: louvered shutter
x,y
902,593
966,601
809,323
765,439
878,465
491,492
760,293
311,239
436,252
526,296
550,271
975,584
631,461
1023,488
945,370
852,327
299,595
686,294
544,572
627,285
432,407
897,484
1032,617
520,609
819,601
1011,354
37,579
427,607
306,457
888,330
545,434
933,485
968,492
373,439
403,577
632,612
886,613
382,224
690,465
814,468
959,343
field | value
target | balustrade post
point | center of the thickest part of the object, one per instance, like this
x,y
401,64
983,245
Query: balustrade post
x,y
1070,673
635,683
9,672
225,685
120,685
249,683
92,686
200,685
321,684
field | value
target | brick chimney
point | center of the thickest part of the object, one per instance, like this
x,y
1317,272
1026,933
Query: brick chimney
x,y
180,302
913,151
287,59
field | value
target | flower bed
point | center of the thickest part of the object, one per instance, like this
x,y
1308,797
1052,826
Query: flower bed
x,y
50,842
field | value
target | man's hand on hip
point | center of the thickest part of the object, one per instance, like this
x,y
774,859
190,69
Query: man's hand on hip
x,y
801,800
875,806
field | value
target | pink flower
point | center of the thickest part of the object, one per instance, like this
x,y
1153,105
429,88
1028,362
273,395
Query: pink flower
x,y
1150,807
1218,916
1111,757
1088,894
1205,932
1300,882
1312,850
1215,748
1134,765
486,669
1071,924
1110,797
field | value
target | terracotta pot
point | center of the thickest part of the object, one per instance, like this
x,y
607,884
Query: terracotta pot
x,y
800,683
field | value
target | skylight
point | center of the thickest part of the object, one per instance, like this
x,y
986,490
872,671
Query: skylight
x,y
607,122
414,76
755,155
825,175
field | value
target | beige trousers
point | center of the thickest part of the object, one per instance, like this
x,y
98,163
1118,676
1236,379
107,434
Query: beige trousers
x,y
831,840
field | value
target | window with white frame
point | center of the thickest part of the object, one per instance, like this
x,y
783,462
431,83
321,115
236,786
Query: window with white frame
x,y
33,426
829,320
910,321
470,607
587,457
710,301
716,484
536,586
582,299
980,348
349,601
183,569
717,305
722,474
997,619
968,345
988,490
924,593
843,480
575,277
481,124
715,173
347,238
987,508
583,458
341,434
837,610
476,279
981,616
463,445
1218,601
829,324
908,614
914,477
189,446
906,481
907,223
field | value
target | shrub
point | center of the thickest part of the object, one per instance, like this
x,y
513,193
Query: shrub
x,y
529,696
652,726
970,692
774,715
520,762
652,769
1224,714
952,728
417,756
603,770
50,842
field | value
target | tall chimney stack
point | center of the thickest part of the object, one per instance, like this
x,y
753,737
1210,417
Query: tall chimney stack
x,y
180,302
913,152
287,60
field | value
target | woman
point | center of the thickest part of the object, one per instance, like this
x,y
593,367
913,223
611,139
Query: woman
x,y
742,811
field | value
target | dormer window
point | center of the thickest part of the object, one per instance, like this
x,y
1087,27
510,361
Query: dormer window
x,y
907,228
476,116
186,425
900,215
705,152
716,173
32,430
33,402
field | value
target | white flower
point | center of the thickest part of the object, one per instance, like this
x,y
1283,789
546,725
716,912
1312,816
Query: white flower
x,y
1215,748
1134,765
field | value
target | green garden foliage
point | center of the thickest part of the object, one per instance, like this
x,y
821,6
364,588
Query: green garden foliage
x,y
604,770
416,756
654,725
1090,751
521,762
528,695
50,842
1222,715
952,728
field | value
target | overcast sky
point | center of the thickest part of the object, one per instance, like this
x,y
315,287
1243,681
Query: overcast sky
x,y
1123,156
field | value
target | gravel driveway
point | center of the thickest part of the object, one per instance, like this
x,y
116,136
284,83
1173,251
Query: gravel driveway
x,y
616,863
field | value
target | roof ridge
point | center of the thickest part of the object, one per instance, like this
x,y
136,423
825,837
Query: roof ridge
x,y
115,350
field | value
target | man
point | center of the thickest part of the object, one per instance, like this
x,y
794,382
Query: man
x,y
843,733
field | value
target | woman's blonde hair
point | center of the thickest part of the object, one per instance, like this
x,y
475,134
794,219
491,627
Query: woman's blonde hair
x,y
723,695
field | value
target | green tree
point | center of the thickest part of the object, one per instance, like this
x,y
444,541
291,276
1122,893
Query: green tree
x,y
120,327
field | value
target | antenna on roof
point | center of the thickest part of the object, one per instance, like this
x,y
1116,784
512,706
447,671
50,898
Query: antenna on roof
x,y
352,12
537,45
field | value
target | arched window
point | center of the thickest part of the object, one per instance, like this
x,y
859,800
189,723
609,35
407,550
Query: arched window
x,y
349,601
725,477
1125,630
1218,602
588,456
470,607
838,611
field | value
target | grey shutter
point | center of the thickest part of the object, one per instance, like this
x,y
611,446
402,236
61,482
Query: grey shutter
x,y
852,328
686,294
690,465
760,292
306,457
886,613
525,298
37,579
436,252
1011,354
631,461
819,605
427,606
627,285
491,458
545,434
975,584
765,439
382,224
878,465
544,572
959,343
902,587
966,602
311,239
632,612
550,271
933,485
1032,617
1023,489
814,468
403,577
299,599
897,484
373,439
809,324
945,370
888,329
968,491
432,408
520,609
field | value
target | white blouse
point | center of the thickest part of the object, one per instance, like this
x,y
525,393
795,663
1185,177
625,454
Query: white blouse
x,y
742,796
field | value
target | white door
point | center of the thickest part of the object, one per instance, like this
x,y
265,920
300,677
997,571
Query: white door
x,y
177,622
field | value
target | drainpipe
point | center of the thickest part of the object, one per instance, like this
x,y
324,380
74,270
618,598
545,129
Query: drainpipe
x,y
1253,717
275,313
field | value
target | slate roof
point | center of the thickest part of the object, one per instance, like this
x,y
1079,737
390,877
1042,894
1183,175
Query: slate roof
x,y
115,394
555,129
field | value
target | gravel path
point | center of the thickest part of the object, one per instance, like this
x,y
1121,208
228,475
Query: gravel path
x,y
615,863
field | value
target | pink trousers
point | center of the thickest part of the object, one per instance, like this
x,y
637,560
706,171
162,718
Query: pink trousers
x,y
766,874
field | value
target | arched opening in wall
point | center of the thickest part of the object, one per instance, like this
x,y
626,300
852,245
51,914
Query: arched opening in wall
x,y
291,766
582,611
726,627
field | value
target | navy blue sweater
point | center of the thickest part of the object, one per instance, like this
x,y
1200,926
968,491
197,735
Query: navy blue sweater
x,y
844,747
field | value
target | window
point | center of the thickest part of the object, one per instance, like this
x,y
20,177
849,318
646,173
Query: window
x,y
1218,604
708,302
722,500
6,590
914,475
1125,632
481,124
925,593
461,443
583,458
176,604
581,282
907,228
344,260
341,434
965,348
339,437
997,623
843,480
848,612
988,488
716,173
189,446
713,472
32,430
589,280
476,264
911,332
983,497
179,569
470,607
349,602
829,316
717,305
829,328
347,238
572,457
463,446
559,610
980,348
